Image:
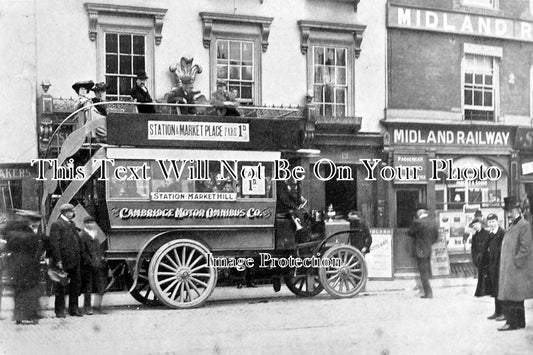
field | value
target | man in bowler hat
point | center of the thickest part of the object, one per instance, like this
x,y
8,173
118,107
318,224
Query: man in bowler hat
x,y
65,247
140,93
425,233
515,282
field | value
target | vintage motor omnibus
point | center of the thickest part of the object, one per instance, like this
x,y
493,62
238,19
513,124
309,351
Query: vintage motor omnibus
x,y
186,201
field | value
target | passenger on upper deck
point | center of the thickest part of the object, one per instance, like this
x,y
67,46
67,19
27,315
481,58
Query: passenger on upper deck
x,y
224,102
184,95
140,93
99,132
99,90
82,88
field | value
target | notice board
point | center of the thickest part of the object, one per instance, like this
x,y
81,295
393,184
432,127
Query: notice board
x,y
379,260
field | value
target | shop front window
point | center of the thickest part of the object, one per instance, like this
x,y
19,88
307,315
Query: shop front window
x,y
458,195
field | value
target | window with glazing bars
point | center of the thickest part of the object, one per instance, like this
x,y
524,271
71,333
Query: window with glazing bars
x,y
479,89
124,57
330,85
235,65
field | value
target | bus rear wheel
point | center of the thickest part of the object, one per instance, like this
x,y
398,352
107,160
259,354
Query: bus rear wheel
x,y
142,292
180,274
303,282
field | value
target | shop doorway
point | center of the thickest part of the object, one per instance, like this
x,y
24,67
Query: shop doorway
x,y
342,194
407,200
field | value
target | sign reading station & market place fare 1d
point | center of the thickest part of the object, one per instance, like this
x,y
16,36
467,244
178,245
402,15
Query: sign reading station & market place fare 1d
x,y
204,132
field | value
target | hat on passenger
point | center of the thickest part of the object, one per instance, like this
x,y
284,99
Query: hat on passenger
x,y
88,85
221,83
141,75
66,207
99,87
89,219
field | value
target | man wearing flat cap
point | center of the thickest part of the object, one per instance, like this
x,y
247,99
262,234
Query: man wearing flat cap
x,y
65,248
225,103
140,93
515,282
425,233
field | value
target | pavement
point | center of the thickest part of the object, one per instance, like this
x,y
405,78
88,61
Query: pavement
x,y
387,319
233,294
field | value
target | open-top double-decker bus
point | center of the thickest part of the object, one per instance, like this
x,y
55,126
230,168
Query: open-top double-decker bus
x,y
185,201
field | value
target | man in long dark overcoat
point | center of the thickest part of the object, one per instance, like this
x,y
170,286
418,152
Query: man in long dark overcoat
x,y
479,257
65,248
516,268
425,233
479,239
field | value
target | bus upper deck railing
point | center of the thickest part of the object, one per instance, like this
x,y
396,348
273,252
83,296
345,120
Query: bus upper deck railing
x,y
89,110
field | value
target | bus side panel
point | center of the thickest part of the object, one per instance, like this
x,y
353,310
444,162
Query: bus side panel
x,y
216,240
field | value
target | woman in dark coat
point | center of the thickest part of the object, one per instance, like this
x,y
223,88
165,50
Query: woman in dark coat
x,y
24,263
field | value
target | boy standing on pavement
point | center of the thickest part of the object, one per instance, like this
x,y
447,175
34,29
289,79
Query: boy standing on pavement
x,y
94,267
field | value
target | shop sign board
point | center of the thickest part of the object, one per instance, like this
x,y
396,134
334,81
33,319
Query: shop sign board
x,y
459,23
527,168
405,163
16,171
453,136
524,138
379,260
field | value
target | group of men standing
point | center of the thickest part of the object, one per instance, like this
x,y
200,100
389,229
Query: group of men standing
x,y
77,252
504,260
505,265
